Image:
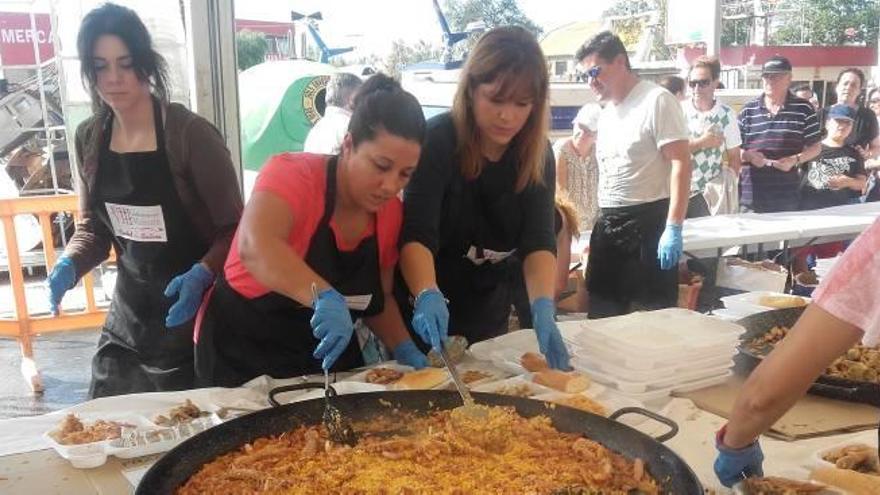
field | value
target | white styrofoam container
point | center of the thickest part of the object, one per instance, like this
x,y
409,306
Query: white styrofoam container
x,y
618,382
659,394
361,376
599,350
612,402
702,362
747,302
665,332
94,454
514,381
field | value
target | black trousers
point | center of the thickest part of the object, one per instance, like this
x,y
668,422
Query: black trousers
x,y
697,207
623,272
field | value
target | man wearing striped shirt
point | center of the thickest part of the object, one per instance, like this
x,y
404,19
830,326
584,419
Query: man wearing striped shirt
x,y
779,132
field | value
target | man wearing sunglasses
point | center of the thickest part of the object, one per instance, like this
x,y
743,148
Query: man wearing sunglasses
x,y
644,179
713,130
779,132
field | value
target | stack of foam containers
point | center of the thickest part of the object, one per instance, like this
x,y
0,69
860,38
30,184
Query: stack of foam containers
x,y
648,355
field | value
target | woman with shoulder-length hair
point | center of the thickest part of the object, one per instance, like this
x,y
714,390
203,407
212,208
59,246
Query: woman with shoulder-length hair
x,y
480,207
157,184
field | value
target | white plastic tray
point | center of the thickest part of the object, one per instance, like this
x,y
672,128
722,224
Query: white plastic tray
x,y
660,382
361,376
652,335
142,439
598,350
684,367
662,393
747,302
610,401
514,381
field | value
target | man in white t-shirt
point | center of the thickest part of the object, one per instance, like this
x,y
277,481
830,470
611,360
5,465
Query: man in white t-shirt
x,y
327,134
714,132
644,179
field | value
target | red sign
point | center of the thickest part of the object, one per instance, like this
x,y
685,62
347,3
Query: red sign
x,y
17,38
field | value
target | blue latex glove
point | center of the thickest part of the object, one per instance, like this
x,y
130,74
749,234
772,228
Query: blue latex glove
x,y
732,464
549,338
431,317
61,280
407,353
670,246
332,325
189,289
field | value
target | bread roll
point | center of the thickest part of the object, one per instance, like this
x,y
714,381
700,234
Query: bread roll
x,y
854,483
532,361
421,379
781,302
570,382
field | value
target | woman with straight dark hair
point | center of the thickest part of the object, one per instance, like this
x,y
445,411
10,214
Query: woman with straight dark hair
x,y
316,249
156,183
480,207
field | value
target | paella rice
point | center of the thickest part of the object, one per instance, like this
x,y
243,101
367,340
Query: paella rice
x,y
443,452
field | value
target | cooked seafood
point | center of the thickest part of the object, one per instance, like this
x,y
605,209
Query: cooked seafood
x,y
860,458
72,431
383,376
181,414
503,453
772,485
860,363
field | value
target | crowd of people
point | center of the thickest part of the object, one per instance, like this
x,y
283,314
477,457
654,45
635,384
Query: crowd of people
x,y
429,229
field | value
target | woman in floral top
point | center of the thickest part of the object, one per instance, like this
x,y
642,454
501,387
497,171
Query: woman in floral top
x,y
577,172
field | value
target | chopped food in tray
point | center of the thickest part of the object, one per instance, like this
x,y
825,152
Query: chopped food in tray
x,y
516,390
72,431
443,452
860,458
583,403
181,414
383,376
772,485
860,363
471,376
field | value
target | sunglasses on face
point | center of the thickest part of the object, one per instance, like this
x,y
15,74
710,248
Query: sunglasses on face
x,y
703,83
593,72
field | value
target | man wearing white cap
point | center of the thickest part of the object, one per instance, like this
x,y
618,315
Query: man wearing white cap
x,y
577,172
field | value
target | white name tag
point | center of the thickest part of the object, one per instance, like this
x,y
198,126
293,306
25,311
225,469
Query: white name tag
x,y
137,223
358,303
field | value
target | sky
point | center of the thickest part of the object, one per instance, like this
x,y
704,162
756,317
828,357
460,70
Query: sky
x,y
372,25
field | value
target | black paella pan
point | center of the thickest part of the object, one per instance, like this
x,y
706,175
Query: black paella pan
x,y
182,462
758,324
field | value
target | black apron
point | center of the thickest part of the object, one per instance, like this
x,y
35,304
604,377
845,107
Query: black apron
x,y
623,272
480,295
136,351
239,339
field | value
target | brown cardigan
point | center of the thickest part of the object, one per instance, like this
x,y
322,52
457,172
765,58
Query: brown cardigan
x,y
203,176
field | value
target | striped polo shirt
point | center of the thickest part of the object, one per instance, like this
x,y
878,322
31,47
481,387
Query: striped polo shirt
x,y
793,128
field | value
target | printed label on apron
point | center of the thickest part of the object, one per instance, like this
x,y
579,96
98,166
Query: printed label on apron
x,y
138,223
487,255
358,303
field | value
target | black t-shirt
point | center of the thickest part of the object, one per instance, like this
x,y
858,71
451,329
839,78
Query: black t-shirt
x,y
440,206
865,127
815,192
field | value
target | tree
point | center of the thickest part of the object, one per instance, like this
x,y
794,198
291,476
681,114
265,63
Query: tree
x,y
251,48
403,54
631,28
826,22
493,13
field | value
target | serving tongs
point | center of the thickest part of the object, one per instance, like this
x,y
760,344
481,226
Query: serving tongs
x,y
338,426
470,408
